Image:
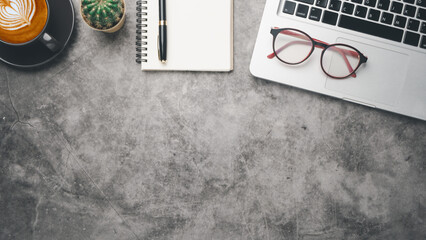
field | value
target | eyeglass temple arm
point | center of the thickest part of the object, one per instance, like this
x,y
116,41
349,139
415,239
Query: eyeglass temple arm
x,y
342,52
349,52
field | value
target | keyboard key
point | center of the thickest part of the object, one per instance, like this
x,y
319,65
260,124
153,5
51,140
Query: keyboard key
x,y
371,28
396,7
413,25
374,14
306,1
423,43
412,38
302,10
421,14
289,7
383,4
386,18
409,1
330,17
348,8
423,27
370,3
322,3
409,10
400,21
315,14
357,1
334,5
421,3
360,11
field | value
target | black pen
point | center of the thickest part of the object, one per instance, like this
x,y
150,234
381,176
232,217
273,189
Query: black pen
x,y
162,38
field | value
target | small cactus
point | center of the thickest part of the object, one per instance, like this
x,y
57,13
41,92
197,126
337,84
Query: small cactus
x,y
102,14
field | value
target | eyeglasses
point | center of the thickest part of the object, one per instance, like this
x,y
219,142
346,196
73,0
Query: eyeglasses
x,y
292,46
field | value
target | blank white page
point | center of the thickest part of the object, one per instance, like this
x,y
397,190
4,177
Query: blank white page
x,y
199,35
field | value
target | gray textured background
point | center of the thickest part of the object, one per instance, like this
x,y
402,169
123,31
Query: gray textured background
x,y
92,148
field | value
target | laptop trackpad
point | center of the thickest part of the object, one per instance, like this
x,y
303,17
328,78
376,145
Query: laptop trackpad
x,y
379,80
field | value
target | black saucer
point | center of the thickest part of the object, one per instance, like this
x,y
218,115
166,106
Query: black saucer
x,y
60,26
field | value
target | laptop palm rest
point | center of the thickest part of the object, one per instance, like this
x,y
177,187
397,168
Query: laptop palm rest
x,y
380,80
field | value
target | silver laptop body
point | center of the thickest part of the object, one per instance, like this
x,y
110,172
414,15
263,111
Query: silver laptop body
x,y
393,79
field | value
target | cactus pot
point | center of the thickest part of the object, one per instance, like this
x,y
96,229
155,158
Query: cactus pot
x,y
109,29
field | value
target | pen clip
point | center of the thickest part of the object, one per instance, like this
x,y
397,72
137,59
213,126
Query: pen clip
x,y
158,47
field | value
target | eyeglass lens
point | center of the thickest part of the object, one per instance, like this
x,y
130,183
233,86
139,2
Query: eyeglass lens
x,y
340,61
292,47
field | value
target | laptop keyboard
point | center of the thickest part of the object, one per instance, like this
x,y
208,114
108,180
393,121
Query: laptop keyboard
x,y
400,21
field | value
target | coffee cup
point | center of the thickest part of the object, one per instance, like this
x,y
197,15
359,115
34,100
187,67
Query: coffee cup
x,y
23,22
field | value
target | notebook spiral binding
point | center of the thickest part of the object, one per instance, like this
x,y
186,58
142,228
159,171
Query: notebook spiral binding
x,y
141,14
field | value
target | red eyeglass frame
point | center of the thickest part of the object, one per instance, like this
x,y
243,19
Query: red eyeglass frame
x,y
319,44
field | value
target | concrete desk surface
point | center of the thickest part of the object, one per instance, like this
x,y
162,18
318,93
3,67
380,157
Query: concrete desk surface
x,y
92,148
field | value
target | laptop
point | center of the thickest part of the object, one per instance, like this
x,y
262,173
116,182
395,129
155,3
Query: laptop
x,y
390,33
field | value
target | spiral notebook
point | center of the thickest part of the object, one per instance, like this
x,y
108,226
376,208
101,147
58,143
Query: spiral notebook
x,y
199,32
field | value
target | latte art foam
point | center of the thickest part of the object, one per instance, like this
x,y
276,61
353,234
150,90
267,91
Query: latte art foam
x,y
16,14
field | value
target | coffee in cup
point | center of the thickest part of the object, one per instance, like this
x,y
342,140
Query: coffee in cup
x,y
23,21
